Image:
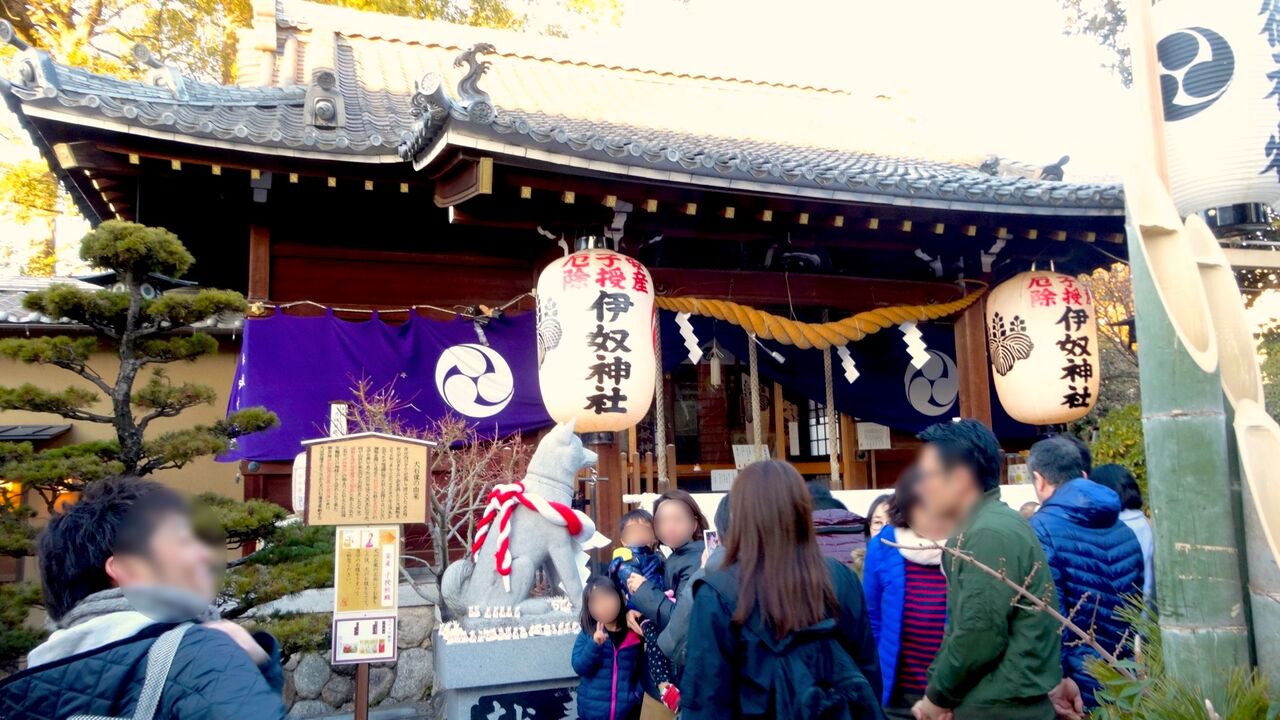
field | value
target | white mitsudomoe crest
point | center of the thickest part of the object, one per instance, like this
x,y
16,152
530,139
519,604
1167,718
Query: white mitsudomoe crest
x,y
474,380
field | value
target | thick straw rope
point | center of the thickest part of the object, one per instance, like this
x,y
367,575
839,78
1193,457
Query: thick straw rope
x,y
815,335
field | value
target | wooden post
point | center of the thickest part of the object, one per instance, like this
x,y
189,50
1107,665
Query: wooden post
x,y
610,486
259,262
855,472
361,709
972,363
779,425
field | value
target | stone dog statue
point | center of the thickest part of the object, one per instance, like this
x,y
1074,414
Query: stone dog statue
x,y
526,527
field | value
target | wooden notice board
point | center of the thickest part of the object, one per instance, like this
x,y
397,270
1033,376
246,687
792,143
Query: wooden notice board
x,y
367,479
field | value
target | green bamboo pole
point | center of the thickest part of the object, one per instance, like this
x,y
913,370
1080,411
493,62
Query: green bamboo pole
x,y
1203,622
1264,594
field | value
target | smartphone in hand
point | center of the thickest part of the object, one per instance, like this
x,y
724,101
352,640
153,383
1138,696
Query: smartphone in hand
x,y
712,539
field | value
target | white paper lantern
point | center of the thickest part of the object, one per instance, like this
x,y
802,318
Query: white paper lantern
x,y
1042,336
596,361
1220,106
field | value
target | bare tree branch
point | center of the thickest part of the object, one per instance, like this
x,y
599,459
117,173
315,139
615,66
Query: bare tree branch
x,y
1036,603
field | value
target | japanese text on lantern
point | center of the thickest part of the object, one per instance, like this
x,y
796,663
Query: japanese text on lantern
x,y
366,478
1076,303
608,344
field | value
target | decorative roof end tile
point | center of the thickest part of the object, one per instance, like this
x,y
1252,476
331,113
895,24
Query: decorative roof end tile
x,y
159,74
475,102
323,103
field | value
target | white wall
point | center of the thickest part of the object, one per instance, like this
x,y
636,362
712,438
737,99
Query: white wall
x,y
858,501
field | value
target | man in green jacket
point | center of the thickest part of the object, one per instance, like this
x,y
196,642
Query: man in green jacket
x,y
999,659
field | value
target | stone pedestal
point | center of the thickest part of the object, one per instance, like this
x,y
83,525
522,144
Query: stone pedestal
x,y
515,679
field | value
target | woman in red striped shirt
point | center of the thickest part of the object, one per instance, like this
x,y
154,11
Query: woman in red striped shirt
x,y
906,596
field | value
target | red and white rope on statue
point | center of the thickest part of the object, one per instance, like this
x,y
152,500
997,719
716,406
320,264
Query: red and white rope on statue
x,y
503,500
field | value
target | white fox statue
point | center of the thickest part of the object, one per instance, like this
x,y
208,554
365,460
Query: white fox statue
x,y
538,529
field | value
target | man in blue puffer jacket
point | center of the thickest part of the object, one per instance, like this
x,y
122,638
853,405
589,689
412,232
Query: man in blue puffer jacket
x,y
1095,559
120,568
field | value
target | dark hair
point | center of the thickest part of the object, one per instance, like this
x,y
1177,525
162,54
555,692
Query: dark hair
x,y
871,511
116,516
969,443
684,498
1057,460
781,570
722,517
905,499
1118,478
1086,455
638,515
600,582
820,492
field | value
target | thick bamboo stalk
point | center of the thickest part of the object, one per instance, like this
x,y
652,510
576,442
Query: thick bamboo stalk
x,y
1198,581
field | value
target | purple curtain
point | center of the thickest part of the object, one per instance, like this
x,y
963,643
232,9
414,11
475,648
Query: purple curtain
x,y
294,366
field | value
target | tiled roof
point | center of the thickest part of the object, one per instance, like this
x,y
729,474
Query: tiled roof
x,y
14,289
572,104
32,433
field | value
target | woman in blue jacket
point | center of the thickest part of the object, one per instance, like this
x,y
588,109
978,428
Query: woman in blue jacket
x,y
906,596
607,656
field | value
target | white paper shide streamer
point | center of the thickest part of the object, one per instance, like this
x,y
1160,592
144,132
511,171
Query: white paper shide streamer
x,y
690,338
915,344
846,363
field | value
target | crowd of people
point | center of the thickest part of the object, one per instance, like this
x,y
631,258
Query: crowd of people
x,y
769,626
762,617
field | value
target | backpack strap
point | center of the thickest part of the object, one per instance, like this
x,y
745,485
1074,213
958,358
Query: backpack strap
x,y
159,659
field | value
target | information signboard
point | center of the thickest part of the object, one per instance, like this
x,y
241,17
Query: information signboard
x,y
367,478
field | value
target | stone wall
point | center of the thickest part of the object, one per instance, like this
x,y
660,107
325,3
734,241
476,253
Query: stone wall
x,y
314,688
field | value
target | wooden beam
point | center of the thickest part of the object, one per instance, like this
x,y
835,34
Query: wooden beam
x,y
847,294
259,262
651,205
462,179
972,363
88,156
766,215
803,218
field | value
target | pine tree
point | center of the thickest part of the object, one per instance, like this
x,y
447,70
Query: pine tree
x,y
146,334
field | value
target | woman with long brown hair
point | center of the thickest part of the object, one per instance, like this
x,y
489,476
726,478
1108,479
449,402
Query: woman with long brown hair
x,y
780,632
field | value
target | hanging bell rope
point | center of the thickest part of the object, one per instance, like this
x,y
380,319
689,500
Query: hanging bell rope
x,y
831,418
817,335
754,364
660,413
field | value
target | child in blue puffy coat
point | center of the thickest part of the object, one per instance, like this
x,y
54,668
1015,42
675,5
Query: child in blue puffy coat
x,y
608,657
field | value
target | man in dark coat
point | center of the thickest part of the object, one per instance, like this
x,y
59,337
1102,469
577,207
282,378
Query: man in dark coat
x,y
120,568
998,659
1096,561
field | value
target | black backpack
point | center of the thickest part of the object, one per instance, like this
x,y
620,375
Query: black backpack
x,y
807,674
